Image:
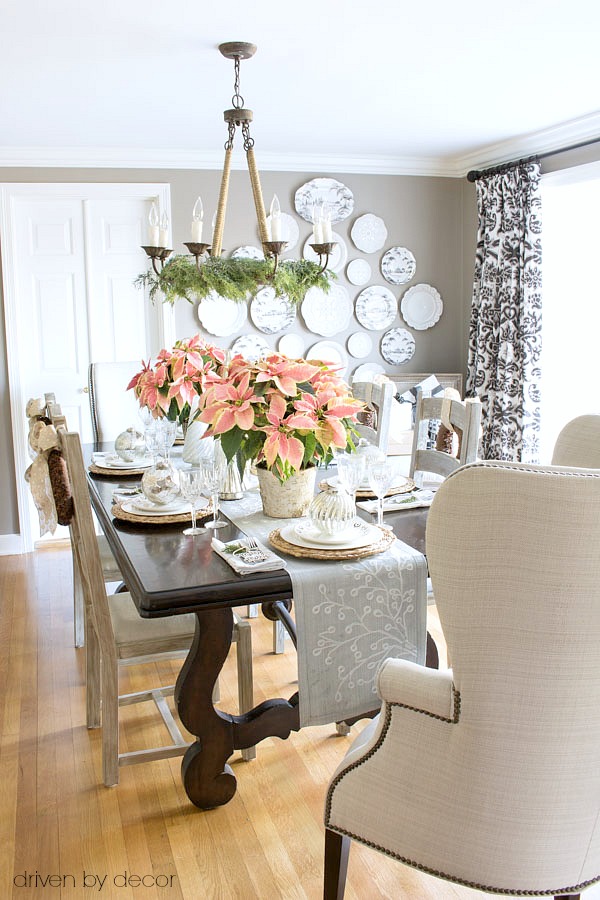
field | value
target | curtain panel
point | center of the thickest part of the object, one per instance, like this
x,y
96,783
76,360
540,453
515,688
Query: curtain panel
x,y
506,317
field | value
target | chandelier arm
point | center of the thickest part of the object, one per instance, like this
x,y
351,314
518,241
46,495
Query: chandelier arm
x,y
258,196
217,240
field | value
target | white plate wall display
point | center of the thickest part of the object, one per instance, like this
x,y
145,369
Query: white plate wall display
x,y
359,344
336,195
369,233
337,257
367,372
327,313
250,346
398,265
247,253
397,346
291,345
421,306
376,307
358,272
271,313
329,352
290,232
221,316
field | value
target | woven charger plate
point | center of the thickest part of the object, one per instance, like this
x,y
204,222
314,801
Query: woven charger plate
x,y
380,546
119,513
115,473
365,494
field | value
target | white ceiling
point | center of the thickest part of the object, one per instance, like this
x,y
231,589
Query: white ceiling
x,y
349,85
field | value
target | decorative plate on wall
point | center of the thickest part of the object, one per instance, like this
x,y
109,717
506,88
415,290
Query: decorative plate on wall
x,y
367,372
359,344
397,346
337,257
248,252
291,345
398,265
369,233
290,231
250,346
336,195
327,313
358,271
271,313
421,306
220,316
329,352
376,307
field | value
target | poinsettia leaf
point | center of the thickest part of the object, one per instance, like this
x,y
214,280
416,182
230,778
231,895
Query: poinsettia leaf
x,y
231,441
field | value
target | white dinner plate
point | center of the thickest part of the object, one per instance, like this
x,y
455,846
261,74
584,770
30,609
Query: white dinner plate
x,y
142,507
291,345
400,482
270,312
329,352
327,312
398,265
250,346
421,306
221,316
369,233
367,372
338,197
303,534
359,344
376,307
358,272
397,346
114,464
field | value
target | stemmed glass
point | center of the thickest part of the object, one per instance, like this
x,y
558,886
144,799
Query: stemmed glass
x,y
351,471
213,474
166,433
381,478
191,485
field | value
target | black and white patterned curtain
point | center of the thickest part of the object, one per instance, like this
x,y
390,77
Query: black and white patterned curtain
x,y
505,337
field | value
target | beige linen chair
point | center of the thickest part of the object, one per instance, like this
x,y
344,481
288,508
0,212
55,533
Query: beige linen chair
x,y
378,398
117,635
461,416
578,444
113,408
489,774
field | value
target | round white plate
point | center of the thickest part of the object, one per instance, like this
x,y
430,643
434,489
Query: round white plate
x,y
271,313
397,346
143,507
358,272
248,252
120,464
304,535
400,482
221,316
359,344
398,265
337,257
336,195
329,352
290,231
250,346
376,307
367,372
369,233
291,345
421,306
327,313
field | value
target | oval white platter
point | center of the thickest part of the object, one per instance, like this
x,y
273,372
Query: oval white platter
x,y
248,252
336,195
421,306
376,307
250,346
359,344
329,352
290,230
271,313
398,265
221,316
327,313
291,345
369,233
358,272
337,257
397,346
367,372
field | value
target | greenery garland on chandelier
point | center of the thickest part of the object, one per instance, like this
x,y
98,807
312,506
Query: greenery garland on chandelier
x,y
235,279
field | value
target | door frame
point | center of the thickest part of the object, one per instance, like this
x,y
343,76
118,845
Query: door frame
x,y
163,313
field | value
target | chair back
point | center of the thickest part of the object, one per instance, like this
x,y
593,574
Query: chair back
x,y
578,444
113,408
463,416
379,399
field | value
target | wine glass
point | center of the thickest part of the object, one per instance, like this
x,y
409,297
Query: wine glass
x,y
191,485
166,433
351,472
213,474
381,478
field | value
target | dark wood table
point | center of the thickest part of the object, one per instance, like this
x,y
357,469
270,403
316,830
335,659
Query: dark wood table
x,y
169,573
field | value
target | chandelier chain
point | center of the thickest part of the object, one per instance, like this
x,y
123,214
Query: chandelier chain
x,y
237,101
248,140
230,135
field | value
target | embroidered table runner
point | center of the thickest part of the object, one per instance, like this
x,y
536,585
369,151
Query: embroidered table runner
x,y
349,617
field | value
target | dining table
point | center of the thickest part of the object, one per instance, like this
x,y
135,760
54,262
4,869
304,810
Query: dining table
x,y
168,573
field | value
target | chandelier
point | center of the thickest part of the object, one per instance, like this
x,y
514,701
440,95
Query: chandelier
x,y
205,254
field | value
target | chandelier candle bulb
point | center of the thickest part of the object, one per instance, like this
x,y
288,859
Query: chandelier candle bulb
x,y
153,226
318,225
163,231
326,224
197,221
275,219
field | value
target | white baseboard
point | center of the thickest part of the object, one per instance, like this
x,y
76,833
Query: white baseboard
x,y
10,544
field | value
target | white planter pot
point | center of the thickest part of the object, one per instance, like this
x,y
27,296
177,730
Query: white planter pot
x,y
195,447
289,500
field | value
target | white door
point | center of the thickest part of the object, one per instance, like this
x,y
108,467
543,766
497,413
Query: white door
x,y
71,254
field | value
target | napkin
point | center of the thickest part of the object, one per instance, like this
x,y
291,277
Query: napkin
x,y
398,502
270,564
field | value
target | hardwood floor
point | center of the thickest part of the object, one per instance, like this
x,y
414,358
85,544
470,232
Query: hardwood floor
x,y
56,818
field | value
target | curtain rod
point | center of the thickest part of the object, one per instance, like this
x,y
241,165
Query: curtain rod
x,y
474,174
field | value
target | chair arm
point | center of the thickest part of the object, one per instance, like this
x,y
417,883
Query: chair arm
x,y
425,690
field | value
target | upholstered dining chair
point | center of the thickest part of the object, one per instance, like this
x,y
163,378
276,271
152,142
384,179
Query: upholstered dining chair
x,y
116,635
489,774
113,408
578,444
460,421
378,399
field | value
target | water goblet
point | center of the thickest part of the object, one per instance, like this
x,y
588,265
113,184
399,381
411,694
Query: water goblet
x,y
213,474
351,472
381,478
166,435
191,485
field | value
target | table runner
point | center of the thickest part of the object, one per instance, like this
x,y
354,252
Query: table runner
x,y
349,617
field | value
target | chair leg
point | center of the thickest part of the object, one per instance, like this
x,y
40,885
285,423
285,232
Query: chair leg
x,y
279,635
337,848
252,611
110,723
93,690
244,673
78,610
